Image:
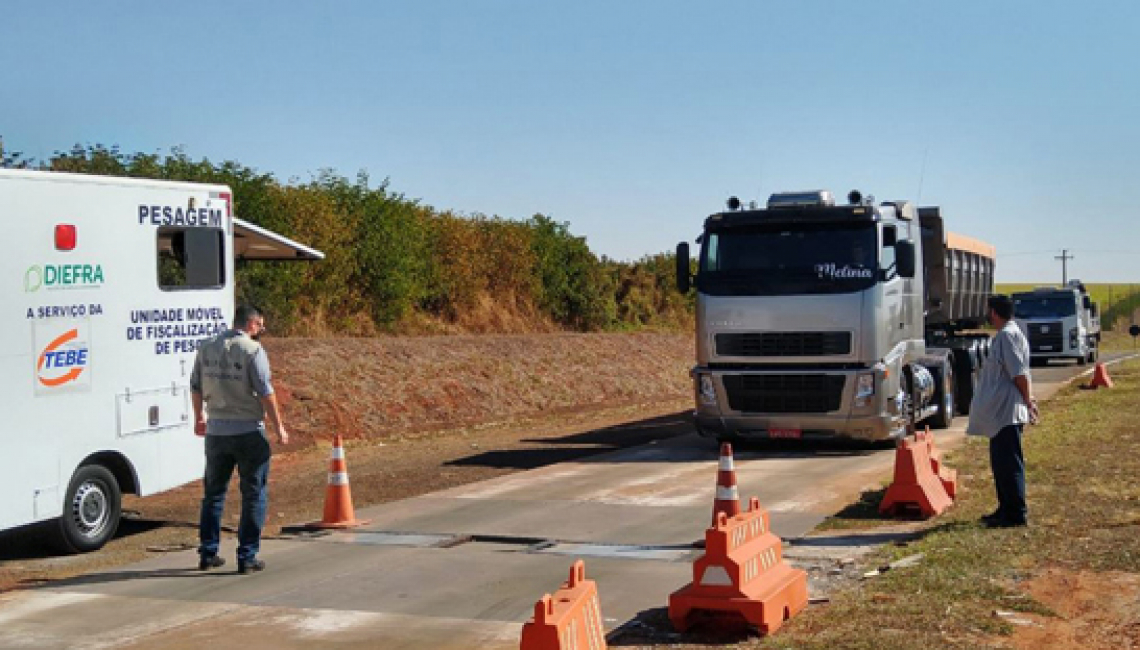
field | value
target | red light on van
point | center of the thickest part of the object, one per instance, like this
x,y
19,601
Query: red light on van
x,y
65,237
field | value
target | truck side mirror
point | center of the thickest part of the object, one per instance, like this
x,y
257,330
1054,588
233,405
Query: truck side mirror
x,y
1087,302
904,258
684,280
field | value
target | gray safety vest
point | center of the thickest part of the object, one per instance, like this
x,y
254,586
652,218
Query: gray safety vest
x,y
226,362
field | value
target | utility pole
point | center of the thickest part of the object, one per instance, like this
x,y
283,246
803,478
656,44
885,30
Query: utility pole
x,y
1064,257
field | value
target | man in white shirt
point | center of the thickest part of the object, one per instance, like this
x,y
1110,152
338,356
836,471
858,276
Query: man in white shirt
x,y
1003,404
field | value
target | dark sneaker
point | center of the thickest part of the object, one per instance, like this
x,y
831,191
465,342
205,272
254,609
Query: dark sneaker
x,y
252,565
991,518
210,562
1006,523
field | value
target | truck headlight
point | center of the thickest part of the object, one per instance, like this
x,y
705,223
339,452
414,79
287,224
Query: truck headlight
x,y
1073,341
706,390
864,388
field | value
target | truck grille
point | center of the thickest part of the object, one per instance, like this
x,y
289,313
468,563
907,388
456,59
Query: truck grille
x,y
783,344
784,393
1046,337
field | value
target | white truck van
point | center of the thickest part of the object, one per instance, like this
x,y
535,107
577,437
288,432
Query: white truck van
x,y
1059,322
106,288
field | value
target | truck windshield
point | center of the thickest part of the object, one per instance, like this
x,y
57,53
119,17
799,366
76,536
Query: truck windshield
x,y
789,259
1047,306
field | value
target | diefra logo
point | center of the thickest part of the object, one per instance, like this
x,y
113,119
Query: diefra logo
x,y
63,360
63,276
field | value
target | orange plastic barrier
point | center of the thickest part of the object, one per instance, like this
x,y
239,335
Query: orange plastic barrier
x,y
338,496
915,485
947,475
742,572
1100,377
571,619
727,499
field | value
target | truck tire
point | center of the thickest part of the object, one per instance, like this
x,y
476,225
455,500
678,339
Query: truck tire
x,y
944,394
967,377
91,510
1083,360
1094,354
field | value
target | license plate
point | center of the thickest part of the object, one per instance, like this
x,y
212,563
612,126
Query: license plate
x,y
785,433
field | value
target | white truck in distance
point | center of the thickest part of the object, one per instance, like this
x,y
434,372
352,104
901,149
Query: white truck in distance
x,y
817,320
1060,323
107,287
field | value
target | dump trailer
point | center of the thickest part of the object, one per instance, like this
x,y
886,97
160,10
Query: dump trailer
x,y
109,285
1059,322
821,321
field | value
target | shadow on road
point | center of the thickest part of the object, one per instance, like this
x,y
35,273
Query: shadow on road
x,y
580,446
674,432
652,627
31,542
125,576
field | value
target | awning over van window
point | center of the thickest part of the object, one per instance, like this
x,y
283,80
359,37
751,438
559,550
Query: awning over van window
x,y
256,243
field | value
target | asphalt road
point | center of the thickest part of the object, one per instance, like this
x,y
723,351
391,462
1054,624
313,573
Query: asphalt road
x,y
460,568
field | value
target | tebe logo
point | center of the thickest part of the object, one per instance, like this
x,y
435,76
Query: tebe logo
x,y
63,360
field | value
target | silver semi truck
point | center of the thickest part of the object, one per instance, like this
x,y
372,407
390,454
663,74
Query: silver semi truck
x,y
1060,323
817,320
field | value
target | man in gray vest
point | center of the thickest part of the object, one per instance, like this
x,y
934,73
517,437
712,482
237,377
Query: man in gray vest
x,y
1003,404
231,378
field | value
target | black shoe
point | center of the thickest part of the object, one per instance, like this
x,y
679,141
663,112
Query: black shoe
x,y
1006,523
250,566
210,562
994,516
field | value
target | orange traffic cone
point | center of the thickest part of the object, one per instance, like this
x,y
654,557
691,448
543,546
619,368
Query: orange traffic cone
x,y
338,496
727,497
1100,377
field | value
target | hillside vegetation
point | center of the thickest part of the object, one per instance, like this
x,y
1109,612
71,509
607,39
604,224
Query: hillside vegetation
x,y
397,265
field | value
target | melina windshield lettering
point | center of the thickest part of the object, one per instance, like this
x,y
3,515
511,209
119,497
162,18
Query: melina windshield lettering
x,y
789,259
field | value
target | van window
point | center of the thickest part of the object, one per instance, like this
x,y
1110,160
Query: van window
x,y
190,258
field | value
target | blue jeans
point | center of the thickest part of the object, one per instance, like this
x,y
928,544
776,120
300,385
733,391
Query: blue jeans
x,y
250,453
1008,465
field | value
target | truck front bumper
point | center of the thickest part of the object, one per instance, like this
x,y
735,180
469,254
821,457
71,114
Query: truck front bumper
x,y
868,428
745,403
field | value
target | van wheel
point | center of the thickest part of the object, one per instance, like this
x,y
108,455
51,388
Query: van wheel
x,y
91,510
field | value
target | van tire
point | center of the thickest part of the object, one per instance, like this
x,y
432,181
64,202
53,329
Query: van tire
x,y
91,510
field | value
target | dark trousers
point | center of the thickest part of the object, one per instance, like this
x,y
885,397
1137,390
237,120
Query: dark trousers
x,y
250,453
1008,465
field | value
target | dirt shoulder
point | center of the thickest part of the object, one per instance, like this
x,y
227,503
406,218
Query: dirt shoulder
x,y
387,388
419,415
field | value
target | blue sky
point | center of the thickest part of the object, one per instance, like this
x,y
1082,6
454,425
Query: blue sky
x,y
630,120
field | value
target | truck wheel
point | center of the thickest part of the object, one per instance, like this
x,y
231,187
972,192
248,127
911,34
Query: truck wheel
x,y
1094,355
967,383
967,376
91,510
945,396
1083,360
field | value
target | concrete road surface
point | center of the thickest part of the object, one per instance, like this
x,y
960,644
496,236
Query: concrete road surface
x,y
460,568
